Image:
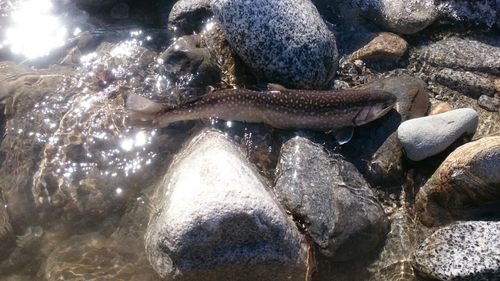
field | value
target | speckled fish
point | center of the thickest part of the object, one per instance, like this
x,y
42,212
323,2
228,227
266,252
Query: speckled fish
x,y
329,111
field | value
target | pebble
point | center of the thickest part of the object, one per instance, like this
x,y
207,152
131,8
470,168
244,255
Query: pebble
x,y
427,136
464,186
489,103
468,251
441,107
385,46
330,196
282,41
216,219
406,17
465,82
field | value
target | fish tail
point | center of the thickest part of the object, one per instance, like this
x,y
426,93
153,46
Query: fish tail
x,y
142,111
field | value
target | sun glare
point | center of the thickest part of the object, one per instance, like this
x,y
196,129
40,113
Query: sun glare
x,y
35,30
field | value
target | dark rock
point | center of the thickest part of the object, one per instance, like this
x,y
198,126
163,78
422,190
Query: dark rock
x,y
284,42
484,13
216,219
119,11
465,185
489,103
331,198
187,16
466,251
465,82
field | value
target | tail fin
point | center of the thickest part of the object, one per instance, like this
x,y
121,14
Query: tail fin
x,y
142,111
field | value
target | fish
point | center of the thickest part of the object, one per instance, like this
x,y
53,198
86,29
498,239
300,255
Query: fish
x,y
277,106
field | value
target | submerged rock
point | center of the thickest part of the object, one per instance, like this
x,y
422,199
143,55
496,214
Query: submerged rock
x,y
466,185
406,17
331,198
187,16
468,251
385,46
428,136
484,13
282,41
465,82
215,219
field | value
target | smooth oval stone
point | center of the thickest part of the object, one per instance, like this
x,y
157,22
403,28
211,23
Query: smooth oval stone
x,y
215,219
282,41
461,251
406,17
331,197
427,136
465,185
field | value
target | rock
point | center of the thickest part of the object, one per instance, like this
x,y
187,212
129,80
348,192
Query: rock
x,y
331,198
385,165
406,17
483,13
190,67
465,82
119,11
384,46
464,186
215,219
187,16
7,240
461,251
412,94
461,53
282,41
427,136
489,103
441,107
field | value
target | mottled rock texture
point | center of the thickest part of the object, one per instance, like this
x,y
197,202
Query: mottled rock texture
x,y
215,219
282,41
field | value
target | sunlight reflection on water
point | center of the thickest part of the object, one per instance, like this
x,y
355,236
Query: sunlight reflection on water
x,y
35,30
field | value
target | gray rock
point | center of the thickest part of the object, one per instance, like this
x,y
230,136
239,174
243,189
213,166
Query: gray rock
x,y
484,13
406,17
461,53
427,136
282,41
215,219
465,82
465,185
489,103
461,251
331,198
186,16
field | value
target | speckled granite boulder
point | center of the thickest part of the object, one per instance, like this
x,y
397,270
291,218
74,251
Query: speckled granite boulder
x,y
404,17
427,136
465,185
282,41
216,219
331,197
187,16
461,251
484,13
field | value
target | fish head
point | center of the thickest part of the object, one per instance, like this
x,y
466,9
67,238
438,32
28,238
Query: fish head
x,y
379,103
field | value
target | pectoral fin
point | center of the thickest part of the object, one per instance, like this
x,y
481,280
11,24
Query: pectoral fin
x,y
344,135
143,105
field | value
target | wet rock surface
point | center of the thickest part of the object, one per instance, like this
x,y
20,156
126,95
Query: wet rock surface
x,y
385,46
461,251
331,198
464,186
401,17
231,226
465,82
188,15
278,34
427,136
